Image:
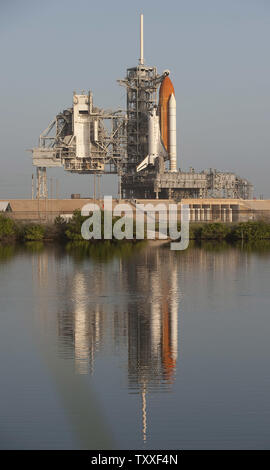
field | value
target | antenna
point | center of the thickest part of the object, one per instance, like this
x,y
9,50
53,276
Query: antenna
x,y
141,61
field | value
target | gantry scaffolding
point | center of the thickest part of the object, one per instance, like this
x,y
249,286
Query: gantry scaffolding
x,y
141,84
158,183
58,146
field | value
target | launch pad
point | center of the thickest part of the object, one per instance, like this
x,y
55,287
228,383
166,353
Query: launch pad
x,y
138,144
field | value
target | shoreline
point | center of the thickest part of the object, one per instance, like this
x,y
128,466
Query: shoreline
x,y
67,231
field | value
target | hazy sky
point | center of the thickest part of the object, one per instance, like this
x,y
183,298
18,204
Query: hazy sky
x,y
217,52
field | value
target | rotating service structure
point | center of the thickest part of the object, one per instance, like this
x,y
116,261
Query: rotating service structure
x,y
82,139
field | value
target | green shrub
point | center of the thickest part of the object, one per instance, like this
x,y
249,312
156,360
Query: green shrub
x,y
215,231
195,231
56,230
7,228
250,231
60,221
33,232
7,251
60,226
74,225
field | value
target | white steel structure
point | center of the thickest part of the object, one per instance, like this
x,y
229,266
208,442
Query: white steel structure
x,y
81,119
81,139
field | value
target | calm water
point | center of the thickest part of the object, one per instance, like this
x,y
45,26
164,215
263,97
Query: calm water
x,y
134,348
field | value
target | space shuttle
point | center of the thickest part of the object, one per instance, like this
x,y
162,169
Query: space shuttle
x,y
162,128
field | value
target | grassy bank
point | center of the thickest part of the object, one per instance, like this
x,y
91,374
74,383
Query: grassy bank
x,y
247,231
60,230
70,231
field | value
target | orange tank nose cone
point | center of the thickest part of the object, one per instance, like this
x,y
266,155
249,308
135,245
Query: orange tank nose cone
x,y
165,91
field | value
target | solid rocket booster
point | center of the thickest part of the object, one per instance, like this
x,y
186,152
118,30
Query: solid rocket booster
x,y
172,132
167,112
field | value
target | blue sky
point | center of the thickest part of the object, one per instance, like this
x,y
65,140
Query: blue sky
x,y
217,52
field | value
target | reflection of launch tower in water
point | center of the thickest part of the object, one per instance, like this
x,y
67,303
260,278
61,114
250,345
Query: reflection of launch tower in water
x,y
153,325
153,321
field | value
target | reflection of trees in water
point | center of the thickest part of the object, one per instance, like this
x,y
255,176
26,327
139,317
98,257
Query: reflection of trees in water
x,y
107,251
34,247
104,251
255,246
7,252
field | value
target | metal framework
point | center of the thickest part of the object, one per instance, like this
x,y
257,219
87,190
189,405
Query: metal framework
x,y
57,144
141,84
156,183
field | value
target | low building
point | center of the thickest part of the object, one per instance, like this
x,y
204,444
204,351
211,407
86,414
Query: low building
x,y
5,206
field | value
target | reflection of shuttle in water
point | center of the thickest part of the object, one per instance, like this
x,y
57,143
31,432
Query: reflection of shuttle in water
x,y
174,314
170,328
153,326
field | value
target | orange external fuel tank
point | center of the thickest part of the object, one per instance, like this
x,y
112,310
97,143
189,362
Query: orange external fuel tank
x,y
165,91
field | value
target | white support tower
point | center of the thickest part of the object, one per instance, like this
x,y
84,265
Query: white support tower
x,y
41,190
81,120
